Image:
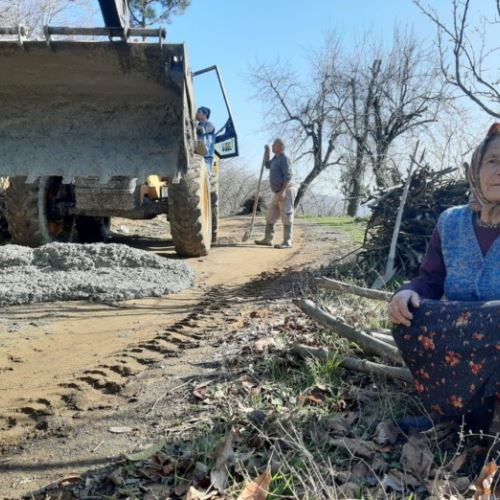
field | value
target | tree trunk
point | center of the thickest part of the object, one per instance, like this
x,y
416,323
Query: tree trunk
x,y
354,195
306,183
382,176
356,178
361,137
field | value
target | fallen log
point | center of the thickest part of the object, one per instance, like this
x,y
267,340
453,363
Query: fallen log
x,y
356,364
360,291
388,339
367,342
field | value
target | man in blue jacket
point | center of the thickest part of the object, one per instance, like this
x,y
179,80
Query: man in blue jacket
x,y
205,131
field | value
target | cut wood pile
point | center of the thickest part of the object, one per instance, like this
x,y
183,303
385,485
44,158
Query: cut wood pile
x,y
430,193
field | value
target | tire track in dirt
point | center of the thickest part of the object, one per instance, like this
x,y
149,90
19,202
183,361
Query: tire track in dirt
x,y
64,361
164,351
101,387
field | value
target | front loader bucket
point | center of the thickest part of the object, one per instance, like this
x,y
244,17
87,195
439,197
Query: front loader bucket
x,y
92,109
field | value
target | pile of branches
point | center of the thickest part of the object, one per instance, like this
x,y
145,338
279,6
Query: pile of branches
x,y
430,193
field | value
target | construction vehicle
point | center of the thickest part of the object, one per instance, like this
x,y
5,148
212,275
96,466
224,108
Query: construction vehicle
x,y
95,129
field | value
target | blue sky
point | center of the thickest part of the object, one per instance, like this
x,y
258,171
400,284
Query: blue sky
x,y
238,34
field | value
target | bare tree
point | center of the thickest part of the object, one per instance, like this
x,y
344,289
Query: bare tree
x,y
306,113
354,108
320,205
408,95
448,143
361,87
468,62
236,185
35,14
391,93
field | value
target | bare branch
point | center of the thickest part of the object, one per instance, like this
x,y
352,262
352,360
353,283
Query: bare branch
x,y
34,14
356,290
368,343
356,364
467,59
305,112
408,97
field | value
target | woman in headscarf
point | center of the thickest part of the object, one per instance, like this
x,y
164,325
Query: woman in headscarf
x,y
452,346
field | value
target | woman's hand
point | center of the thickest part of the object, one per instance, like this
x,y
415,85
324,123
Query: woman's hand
x,y
398,310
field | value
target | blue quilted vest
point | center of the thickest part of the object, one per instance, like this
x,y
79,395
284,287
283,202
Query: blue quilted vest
x,y
469,274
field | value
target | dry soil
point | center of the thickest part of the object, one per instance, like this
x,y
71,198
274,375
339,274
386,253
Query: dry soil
x,y
71,372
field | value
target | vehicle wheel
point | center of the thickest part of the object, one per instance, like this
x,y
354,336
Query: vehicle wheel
x,y
214,204
4,227
189,211
92,229
31,211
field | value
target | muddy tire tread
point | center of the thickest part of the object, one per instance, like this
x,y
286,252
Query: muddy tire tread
x,y
22,213
185,212
4,227
214,202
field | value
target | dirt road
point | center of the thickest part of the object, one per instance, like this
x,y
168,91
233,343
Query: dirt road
x,y
71,371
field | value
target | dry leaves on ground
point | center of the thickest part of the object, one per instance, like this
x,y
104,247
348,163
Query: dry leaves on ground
x,y
357,447
257,489
453,488
417,457
264,345
147,453
399,481
225,455
485,481
386,433
458,461
341,423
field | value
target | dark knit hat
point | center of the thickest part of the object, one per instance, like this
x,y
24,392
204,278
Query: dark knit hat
x,y
205,111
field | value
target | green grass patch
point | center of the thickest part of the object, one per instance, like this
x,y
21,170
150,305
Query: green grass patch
x,y
351,226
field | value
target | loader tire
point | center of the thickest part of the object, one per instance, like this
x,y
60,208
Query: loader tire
x,y
92,229
26,211
214,203
4,227
189,211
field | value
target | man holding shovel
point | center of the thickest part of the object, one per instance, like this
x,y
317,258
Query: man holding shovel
x,y
282,204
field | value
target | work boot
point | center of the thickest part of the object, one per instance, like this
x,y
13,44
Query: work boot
x,y
268,236
287,237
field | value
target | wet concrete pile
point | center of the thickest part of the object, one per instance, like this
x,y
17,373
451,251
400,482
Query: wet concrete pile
x,y
99,272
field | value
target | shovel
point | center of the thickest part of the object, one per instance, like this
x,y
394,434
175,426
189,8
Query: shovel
x,y
248,232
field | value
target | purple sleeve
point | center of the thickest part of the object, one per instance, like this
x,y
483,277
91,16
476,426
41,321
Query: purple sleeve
x,y
429,284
